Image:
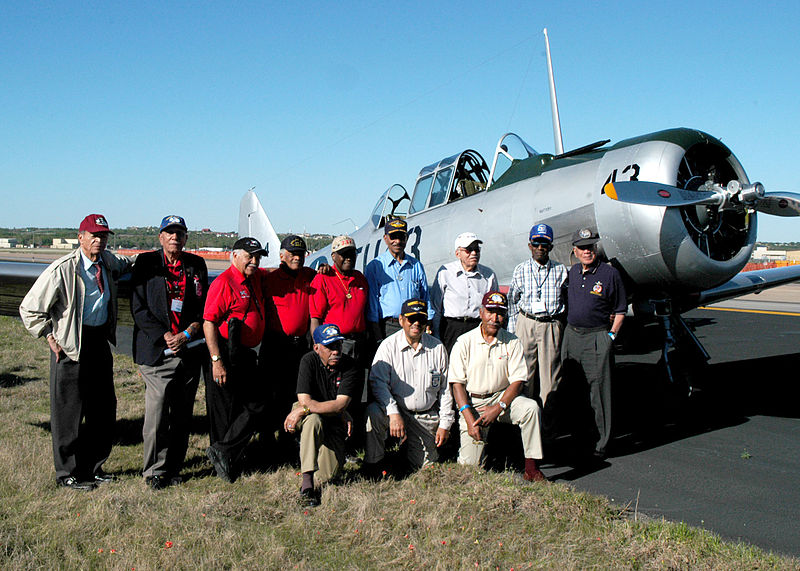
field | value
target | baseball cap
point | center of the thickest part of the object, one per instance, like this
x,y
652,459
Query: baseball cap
x,y
327,333
541,233
342,243
94,223
294,244
466,238
172,220
414,307
249,245
396,225
585,237
495,300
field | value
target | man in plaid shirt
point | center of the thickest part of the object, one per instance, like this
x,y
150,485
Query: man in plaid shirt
x,y
537,310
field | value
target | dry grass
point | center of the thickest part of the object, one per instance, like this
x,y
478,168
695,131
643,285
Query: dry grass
x,y
445,517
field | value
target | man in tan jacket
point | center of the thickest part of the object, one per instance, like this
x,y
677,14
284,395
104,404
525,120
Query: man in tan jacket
x,y
73,304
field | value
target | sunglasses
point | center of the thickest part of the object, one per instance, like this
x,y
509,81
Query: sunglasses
x,y
423,319
545,245
470,249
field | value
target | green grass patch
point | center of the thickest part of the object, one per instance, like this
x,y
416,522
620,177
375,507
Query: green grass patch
x,y
443,517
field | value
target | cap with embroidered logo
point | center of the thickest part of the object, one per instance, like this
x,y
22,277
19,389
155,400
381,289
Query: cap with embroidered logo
x,y
585,237
396,225
541,233
94,223
327,333
414,307
294,244
342,243
249,245
172,220
495,300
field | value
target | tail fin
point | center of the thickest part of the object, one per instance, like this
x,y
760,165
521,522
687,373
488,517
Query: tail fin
x,y
253,221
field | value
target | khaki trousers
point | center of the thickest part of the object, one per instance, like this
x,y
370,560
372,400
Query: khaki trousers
x,y
541,343
321,446
523,412
420,435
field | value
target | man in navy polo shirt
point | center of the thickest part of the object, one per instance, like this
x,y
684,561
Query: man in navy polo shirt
x,y
596,305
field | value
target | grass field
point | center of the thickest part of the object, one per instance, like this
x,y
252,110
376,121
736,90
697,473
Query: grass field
x,y
445,517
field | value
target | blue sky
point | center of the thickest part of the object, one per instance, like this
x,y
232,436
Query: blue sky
x,y
137,110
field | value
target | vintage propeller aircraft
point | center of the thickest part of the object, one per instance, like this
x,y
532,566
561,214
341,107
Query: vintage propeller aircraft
x,y
675,209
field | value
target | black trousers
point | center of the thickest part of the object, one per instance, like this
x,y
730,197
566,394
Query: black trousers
x,y
278,364
83,407
236,409
451,329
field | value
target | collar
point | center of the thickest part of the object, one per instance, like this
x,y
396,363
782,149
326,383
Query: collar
x,y
406,346
460,270
484,342
178,263
87,263
537,266
392,260
591,269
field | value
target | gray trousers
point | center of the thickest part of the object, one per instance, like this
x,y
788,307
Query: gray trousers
x,y
587,354
170,390
420,428
541,343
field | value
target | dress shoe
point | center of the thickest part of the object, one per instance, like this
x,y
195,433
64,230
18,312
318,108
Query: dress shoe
x,y
534,476
599,454
157,482
70,482
221,463
310,498
103,478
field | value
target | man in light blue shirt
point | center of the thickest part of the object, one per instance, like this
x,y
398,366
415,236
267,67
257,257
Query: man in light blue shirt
x,y
393,278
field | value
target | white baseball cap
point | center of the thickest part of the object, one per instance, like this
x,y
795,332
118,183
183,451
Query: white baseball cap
x,y
466,238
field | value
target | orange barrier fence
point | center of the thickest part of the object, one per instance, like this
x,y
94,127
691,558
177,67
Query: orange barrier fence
x,y
750,266
202,253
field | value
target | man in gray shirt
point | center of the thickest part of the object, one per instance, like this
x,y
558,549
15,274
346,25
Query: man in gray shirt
x,y
412,400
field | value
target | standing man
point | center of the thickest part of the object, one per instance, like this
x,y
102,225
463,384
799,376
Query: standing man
x,y
393,277
233,325
73,303
597,306
340,297
458,289
169,293
326,384
537,310
287,291
487,372
412,400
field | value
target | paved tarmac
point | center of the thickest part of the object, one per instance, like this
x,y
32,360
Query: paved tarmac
x,y
728,459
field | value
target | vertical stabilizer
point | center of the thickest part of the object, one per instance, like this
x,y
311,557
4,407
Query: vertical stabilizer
x,y
253,221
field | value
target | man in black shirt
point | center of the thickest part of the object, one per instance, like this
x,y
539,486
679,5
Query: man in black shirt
x,y
326,383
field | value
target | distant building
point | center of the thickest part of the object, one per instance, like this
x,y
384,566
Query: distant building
x,y
8,242
65,243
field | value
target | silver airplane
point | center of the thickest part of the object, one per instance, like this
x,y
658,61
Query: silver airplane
x,y
675,210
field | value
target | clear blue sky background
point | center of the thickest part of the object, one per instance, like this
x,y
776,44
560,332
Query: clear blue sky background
x,y
136,110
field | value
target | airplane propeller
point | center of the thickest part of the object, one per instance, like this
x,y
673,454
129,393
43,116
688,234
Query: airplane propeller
x,y
733,196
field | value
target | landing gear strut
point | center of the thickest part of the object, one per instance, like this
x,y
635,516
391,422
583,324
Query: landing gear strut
x,y
682,355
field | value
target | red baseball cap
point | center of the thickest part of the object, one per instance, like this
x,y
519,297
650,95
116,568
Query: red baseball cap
x,y
94,223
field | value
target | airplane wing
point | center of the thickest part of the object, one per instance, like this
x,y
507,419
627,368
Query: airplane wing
x,y
254,222
749,282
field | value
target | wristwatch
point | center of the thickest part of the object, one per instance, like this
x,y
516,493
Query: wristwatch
x,y
503,405
215,358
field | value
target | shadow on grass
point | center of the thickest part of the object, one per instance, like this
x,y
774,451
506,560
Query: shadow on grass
x,y
16,376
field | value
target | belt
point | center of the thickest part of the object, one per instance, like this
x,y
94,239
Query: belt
x,y
481,395
540,318
585,330
462,319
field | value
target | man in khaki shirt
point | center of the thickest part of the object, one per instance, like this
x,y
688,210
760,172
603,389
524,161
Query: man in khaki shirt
x,y
487,373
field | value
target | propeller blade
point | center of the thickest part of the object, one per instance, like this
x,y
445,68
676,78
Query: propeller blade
x,y
657,194
780,204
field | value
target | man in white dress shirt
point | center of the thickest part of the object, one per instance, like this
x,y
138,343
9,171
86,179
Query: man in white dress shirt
x,y
412,400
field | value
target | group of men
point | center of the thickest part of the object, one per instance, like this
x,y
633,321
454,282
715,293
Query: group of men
x,y
463,349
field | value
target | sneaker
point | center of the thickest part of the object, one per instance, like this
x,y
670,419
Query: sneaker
x,y
71,482
101,477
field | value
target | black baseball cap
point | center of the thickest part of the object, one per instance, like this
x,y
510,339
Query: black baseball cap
x,y
585,237
294,244
249,245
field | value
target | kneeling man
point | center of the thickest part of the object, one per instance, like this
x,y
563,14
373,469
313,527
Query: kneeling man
x,y
326,383
412,400
487,373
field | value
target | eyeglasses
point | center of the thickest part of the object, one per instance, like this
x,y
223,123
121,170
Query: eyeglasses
x,y
421,319
470,249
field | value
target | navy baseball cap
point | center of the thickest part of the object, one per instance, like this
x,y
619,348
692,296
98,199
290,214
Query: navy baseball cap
x,y
172,220
327,333
294,244
585,237
541,233
396,225
414,307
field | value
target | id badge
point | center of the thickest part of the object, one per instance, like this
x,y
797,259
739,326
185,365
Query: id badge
x,y
177,305
436,379
538,307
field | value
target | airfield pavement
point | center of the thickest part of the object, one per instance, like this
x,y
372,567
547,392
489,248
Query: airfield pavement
x,y
725,459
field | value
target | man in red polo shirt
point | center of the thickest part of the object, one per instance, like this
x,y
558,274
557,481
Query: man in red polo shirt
x,y
234,324
287,291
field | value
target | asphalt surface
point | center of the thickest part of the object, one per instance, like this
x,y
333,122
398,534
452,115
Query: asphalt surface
x,y
726,459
